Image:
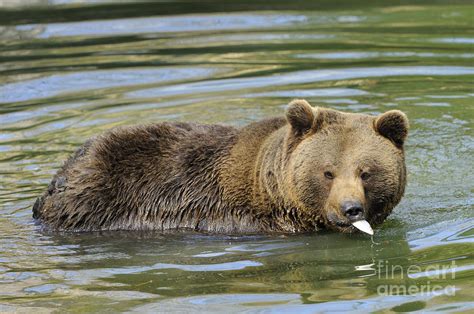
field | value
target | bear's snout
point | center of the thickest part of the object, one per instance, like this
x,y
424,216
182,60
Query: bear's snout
x,y
353,210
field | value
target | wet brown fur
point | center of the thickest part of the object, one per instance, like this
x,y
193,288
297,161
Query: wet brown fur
x,y
265,177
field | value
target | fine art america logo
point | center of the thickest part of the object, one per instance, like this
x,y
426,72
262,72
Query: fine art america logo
x,y
413,279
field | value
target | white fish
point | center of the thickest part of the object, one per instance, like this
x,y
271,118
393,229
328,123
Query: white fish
x,y
363,226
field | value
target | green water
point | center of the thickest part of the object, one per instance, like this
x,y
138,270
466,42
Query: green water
x,y
70,70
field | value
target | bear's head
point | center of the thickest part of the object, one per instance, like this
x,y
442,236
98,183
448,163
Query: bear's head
x,y
344,167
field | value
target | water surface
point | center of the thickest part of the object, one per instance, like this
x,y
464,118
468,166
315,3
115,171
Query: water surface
x,y
70,70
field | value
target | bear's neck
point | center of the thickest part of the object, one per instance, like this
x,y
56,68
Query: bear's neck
x,y
253,176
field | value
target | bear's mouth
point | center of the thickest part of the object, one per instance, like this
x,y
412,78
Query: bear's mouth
x,y
345,227
343,224
340,225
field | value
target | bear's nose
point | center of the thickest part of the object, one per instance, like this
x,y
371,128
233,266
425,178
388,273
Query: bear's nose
x,y
353,210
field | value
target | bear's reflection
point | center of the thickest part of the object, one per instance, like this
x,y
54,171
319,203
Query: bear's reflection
x,y
319,267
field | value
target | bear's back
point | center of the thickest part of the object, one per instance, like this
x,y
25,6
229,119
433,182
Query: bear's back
x,y
111,182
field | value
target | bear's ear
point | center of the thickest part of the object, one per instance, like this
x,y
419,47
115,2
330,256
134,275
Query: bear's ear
x,y
301,116
393,125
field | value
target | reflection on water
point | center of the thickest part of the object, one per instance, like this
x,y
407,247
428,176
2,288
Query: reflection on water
x,y
71,70
165,25
80,81
374,55
299,77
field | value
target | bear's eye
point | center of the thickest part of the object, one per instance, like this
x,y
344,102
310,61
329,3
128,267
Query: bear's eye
x,y
365,176
329,175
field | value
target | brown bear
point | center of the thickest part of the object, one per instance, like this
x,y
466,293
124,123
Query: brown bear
x,y
314,169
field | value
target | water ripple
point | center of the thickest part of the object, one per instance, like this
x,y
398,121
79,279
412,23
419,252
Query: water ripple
x,y
80,81
165,25
300,77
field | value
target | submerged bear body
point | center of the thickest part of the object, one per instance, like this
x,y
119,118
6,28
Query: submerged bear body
x,y
315,168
